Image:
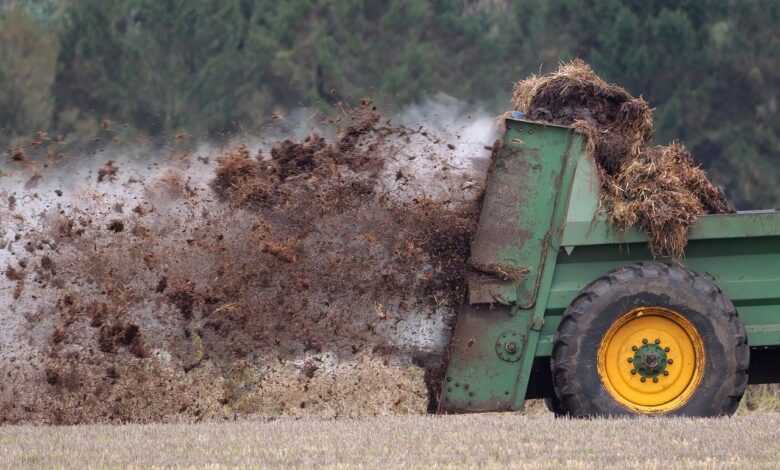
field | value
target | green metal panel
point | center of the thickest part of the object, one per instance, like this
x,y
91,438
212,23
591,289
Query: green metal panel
x,y
747,224
478,379
584,204
585,225
521,225
512,238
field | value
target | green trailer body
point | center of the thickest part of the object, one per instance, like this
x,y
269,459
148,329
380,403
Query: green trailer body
x,y
541,239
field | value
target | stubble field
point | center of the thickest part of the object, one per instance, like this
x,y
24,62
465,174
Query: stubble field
x,y
484,441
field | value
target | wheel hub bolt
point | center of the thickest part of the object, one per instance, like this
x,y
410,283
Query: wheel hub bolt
x,y
649,360
669,361
666,349
666,372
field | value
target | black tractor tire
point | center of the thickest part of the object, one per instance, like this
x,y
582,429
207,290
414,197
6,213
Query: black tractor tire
x,y
576,381
554,406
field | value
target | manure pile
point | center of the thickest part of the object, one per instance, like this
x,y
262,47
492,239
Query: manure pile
x,y
659,189
315,276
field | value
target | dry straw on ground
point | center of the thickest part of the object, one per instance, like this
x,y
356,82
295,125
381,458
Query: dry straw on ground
x,y
469,441
659,189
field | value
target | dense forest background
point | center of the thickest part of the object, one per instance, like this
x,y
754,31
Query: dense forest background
x,y
213,68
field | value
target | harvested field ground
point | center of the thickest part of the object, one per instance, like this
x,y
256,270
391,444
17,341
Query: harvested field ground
x,y
485,441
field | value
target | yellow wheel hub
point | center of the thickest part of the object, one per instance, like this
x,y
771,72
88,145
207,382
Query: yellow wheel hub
x,y
651,360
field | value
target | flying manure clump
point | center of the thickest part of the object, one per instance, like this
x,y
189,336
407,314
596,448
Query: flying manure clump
x,y
659,189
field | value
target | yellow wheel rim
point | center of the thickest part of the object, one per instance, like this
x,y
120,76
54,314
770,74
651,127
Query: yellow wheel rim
x,y
651,360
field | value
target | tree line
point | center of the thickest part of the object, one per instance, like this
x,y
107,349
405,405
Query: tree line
x,y
213,68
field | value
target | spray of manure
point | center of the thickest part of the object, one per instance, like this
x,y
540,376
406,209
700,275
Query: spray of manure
x,y
309,276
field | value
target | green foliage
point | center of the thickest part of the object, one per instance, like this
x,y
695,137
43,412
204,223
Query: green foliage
x,y
214,67
27,64
162,65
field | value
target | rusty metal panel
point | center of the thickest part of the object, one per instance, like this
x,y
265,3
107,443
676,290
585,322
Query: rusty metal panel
x,y
522,187
496,337
478,379
488,289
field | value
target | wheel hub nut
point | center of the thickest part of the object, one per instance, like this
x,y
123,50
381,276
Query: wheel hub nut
x,y
649,360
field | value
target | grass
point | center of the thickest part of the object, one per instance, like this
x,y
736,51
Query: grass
x,y
490,441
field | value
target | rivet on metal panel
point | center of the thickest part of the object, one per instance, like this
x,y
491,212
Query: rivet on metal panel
x,y
509,346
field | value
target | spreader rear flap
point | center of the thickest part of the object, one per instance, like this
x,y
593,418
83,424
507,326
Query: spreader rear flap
x,y
511,242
